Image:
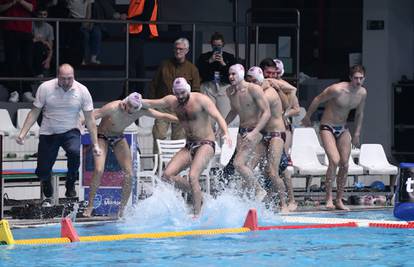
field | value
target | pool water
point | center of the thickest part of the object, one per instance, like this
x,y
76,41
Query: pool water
x,y
309,247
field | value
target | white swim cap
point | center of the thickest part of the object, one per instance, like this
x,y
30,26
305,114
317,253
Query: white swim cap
x,y
279,66
180,84
135,100
256,73
239,70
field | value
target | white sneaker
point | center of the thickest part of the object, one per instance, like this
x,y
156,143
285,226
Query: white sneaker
x,y
14,97
28,97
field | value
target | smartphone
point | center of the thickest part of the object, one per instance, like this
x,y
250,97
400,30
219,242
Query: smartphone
x,y
217,49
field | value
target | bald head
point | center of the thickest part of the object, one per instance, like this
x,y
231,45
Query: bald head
x,y
66,76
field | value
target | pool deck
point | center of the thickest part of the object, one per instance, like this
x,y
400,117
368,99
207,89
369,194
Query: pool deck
x,y
26,223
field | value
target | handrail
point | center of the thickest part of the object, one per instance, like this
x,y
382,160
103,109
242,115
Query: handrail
x,y
194,25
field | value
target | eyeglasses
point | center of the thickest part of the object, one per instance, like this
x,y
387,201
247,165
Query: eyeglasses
x,y
180,48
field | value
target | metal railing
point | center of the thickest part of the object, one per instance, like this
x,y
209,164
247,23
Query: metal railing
x,y
194,27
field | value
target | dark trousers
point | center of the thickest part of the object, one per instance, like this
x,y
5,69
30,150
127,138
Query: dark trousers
x,y
18,48
48,150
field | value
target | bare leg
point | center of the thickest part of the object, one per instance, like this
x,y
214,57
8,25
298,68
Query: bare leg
x,y
123,155
244,155
96,176
329,144
200,161
287,178
275,150
344,148
179,162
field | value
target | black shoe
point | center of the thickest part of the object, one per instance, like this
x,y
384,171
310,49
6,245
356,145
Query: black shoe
x,y
70,191
47,188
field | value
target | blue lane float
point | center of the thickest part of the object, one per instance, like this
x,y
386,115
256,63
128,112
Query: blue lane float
x,y
404,199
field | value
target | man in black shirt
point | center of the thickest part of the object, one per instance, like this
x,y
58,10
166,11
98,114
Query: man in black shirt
x,y
214,68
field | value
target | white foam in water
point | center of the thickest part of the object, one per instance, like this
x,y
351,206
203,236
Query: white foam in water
x,y
166,210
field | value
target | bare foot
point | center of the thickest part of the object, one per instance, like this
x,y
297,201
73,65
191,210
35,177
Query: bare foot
x,y
292,206
87,212
284,210
340,206
329,205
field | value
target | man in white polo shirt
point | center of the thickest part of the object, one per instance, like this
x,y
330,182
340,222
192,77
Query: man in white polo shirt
x,y
61,100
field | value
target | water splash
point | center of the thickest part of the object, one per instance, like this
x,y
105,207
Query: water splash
x,y
166,210
74,212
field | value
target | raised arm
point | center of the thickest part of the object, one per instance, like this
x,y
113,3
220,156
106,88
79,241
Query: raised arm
x,y
159,115
359,115
327,94
28,123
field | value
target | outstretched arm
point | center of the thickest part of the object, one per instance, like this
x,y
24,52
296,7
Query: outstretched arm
x,y
159,115
28,123
164,102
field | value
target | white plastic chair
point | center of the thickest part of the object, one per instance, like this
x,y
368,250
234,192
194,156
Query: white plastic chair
x,y
152,173
6,126
168,148
307,137
374,161
21,117
306,163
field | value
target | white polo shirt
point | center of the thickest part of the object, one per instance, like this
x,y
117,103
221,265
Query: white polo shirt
x,y
61,110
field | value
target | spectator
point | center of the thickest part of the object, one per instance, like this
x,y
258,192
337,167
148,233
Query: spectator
x,y
92,32
42,43
72,37
61,100
18,46
142,10
214,67
162,83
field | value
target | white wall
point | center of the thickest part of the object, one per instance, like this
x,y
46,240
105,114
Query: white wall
x,y
387,54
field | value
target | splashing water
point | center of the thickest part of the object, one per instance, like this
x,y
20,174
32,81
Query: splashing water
x,y
166,210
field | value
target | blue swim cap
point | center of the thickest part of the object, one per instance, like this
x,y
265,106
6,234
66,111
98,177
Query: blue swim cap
x,y
378,186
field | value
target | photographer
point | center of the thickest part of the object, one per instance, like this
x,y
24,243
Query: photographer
x,y
214,69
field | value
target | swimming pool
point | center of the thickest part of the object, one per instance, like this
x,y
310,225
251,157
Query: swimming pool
x,y
309,247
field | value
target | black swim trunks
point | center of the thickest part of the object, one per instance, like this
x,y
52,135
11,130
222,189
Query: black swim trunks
x,y
193,146
336,130
111,140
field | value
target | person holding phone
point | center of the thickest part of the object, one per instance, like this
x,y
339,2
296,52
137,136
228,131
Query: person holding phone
x,y
214,67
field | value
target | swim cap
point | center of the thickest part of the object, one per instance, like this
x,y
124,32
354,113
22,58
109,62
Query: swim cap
x,y
239,70
279,66
180,84
135,100
377,186
256,73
